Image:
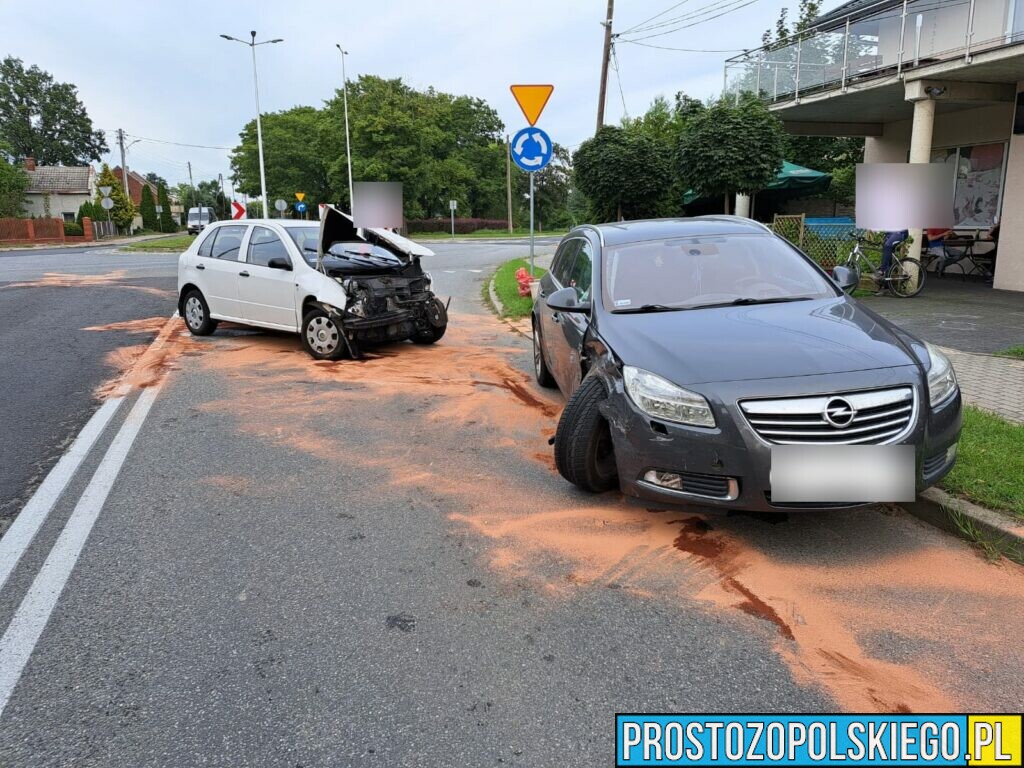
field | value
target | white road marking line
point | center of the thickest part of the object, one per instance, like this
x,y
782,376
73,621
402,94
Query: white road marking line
x,y
32,516
30,619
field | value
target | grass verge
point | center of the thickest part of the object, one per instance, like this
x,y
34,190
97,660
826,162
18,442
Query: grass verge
x,y
170,243
990,466
1017,351
507,289
993,548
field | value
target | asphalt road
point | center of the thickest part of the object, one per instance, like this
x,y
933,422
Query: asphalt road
x,y
374,563
51,364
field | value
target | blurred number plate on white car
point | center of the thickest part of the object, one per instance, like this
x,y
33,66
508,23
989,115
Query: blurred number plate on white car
x,y
842,473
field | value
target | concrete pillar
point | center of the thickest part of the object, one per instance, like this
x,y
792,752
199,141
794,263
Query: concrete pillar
x,y
1010,260
742,205
921,152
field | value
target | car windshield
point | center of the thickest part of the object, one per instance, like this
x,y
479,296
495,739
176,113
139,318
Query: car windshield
x,y
715,270
306,238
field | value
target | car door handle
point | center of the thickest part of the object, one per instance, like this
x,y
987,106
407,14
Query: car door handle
x,y
542,294
555,317
200,266
243,274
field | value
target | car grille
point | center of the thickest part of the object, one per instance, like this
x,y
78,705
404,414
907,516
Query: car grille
x,y
868,418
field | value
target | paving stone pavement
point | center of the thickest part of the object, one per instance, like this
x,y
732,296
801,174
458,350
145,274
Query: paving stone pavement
x,y
990,382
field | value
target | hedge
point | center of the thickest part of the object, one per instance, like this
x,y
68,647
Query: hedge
x,y
462,226
73,229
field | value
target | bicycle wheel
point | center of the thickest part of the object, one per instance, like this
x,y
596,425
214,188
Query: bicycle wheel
x,y
905,278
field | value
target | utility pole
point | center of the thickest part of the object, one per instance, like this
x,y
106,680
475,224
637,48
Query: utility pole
x,y
508,180
604,64
348,146
194,200
124,165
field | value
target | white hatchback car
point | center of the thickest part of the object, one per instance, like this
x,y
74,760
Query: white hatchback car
x,y
337,286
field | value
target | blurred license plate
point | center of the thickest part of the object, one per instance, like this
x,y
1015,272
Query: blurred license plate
x,y
842,473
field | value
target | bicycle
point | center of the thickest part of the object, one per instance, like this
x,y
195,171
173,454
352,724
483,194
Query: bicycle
x,y
904,279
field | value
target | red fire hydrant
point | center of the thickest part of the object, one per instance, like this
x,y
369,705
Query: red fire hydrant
x,y
524,280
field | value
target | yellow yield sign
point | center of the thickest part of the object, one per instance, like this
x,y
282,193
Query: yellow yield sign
x,y
532,99
300,196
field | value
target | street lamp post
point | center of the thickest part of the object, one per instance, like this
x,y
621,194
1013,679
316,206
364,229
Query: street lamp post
x,y
259,127
348,146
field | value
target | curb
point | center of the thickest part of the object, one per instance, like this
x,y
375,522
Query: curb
x,y
499,309
936,507
498,306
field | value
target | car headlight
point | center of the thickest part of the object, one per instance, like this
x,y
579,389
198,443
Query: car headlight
x,y
941,378
662,399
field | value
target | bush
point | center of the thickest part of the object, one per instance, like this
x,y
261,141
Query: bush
x,y
73,229
462,226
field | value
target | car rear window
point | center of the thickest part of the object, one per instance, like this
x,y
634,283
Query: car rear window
x,y
228,242
688,272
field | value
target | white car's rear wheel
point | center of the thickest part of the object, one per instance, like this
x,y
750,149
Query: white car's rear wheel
x,y
196,313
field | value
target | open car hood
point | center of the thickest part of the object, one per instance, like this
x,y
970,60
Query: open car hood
x,y
337,227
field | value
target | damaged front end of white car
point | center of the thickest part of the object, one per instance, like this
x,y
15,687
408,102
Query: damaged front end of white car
x,y
388,295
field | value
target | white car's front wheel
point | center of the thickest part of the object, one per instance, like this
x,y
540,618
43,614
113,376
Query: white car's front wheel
x,y
322,337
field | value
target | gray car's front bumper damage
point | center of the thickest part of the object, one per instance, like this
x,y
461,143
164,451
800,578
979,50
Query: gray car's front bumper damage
x,y
734,455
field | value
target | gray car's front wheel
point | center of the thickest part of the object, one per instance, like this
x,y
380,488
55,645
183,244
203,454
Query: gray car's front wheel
x,y
584,454
321,336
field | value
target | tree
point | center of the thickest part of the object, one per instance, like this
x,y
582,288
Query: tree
x,y
842,190
156,180
44,119
91,209
123,211
731,148
164,201
624,174
147,208
550,193
13,183
807,12
665,125
440,146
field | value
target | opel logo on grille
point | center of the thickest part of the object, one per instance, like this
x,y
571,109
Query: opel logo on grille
x,y
839,413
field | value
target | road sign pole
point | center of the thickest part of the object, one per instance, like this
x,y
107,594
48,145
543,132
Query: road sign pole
x,y
532,271
453,223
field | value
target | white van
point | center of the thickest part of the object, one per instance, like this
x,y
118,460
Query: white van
x,y
199,218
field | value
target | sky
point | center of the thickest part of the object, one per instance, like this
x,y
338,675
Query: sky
x,y
161,71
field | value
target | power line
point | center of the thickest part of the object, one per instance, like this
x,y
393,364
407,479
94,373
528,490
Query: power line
x,y
645,21
703,10
723,12
178,143
618,79
686,50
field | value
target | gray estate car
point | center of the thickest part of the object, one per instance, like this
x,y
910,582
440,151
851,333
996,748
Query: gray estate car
x,y
693,350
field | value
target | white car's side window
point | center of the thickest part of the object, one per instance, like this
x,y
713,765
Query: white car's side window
x,y
228,242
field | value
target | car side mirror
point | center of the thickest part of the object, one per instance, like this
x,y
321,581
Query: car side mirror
x,y
279,262
845,278
566,300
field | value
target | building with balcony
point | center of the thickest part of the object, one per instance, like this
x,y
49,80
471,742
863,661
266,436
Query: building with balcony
x,y
922,81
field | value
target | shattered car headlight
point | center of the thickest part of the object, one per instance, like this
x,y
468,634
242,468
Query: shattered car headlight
x,y
662,399
941,378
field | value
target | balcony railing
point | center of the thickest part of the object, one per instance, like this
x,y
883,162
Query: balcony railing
x,y
890,41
